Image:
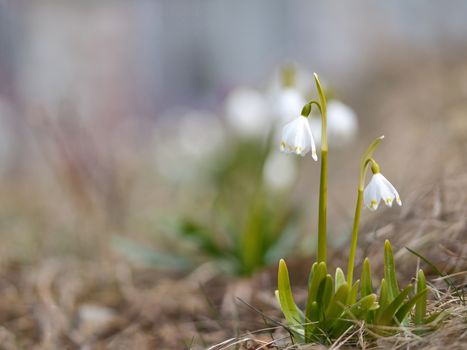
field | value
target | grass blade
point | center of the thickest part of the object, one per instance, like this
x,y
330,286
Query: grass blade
x,y
420,306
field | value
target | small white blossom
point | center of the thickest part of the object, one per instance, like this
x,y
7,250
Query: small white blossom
x,y
379,188
297,138
246,111
342,124
280,171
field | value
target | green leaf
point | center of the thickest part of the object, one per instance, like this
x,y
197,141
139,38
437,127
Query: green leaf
x,y
337,303
311,274
448,281
339,278
325,292
357,311
367,285
435,318
311,323
383,298
252,236
420,306
364,305
390,272
387,315
408,306
200,236
352,298
316,277
292,313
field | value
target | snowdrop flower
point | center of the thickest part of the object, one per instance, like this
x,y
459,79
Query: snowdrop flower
x,y
288,102
342,122
297,138
279,171
379,188
185,140
246,111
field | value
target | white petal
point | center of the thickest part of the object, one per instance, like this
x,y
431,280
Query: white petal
x,y
300,140
392,189
371,196
385,192
288,139
312,141
297,137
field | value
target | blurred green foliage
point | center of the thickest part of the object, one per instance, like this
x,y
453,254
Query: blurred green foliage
x,y
249,226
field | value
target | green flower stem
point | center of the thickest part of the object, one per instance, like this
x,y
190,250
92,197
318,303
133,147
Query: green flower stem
x,y
366,159
322,207
353,245
323,183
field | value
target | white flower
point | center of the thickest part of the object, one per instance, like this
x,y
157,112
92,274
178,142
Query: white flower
x,y
279,171
246,111
287,103
342,124
379,188
297,138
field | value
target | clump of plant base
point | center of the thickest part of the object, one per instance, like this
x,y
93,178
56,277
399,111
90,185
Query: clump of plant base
x,y
335,304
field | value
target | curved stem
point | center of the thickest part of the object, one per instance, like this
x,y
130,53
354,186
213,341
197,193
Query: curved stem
x,y
306,110
323,175
366,159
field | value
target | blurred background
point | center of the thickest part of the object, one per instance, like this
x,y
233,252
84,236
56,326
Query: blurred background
x,y
146,131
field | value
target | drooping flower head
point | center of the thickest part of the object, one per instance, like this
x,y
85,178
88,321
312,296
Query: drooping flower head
x,y
297,138
379,188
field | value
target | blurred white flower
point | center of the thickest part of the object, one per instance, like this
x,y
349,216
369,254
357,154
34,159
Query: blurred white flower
x,y
279,171
342,124
287,103
246,111
379,188
297,138
200,134
184,141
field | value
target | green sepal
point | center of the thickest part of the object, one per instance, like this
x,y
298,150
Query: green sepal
x,y
339,279
367,284
292,313
420,306
390,272
386,317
